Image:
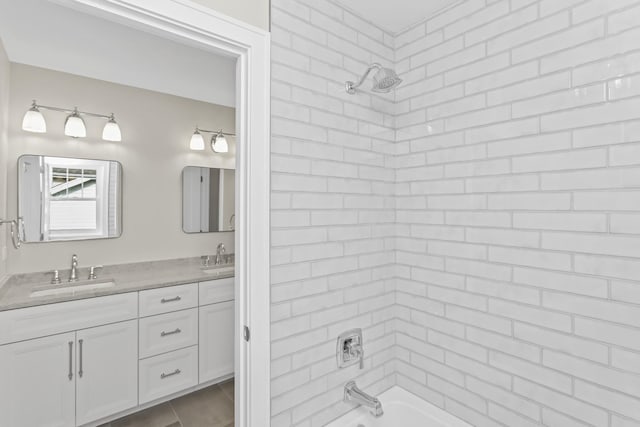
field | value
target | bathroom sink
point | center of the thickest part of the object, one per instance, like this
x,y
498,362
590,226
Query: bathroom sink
x,y
71,289
219,271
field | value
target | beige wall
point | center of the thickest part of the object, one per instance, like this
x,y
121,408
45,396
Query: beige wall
x,y
4,111
156,129
254,12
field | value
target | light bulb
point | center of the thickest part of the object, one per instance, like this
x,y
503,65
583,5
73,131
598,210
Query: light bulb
x,y
111,131
197,141
74,125
219,143
33,120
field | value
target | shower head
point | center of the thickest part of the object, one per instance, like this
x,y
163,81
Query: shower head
x,y
384,80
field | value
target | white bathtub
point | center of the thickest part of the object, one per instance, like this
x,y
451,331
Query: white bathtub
x,y
401,409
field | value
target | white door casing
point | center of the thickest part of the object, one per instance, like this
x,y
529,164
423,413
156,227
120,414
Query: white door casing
x,y
188,22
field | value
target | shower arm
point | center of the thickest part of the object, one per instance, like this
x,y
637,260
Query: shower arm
x,y
351,86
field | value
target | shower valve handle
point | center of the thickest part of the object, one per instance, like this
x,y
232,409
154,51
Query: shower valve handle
x,y
355,350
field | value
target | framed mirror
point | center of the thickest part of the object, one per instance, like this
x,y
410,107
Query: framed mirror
x,y
208,199
62,198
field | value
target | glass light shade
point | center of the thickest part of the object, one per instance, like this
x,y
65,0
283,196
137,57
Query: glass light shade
x,y
111,131
33,121
219,143
74,126
197,141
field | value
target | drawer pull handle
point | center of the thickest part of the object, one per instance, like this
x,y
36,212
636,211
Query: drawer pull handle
x,y
166,300
164,334
70,360
80,372
176,372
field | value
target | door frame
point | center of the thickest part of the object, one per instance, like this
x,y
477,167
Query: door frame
x,y
186,21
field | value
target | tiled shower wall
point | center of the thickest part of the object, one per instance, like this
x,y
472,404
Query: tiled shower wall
x,y
518,210
512,229
333,222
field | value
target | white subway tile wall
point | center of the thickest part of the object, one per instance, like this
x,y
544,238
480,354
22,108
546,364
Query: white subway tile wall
x,y
333,214
482,223
530,177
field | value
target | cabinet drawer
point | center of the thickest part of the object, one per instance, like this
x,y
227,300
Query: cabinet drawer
x,y
171,298
168,332
220,290
33,322
168,373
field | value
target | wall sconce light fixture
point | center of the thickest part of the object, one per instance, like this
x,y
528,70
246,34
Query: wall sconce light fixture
x,y
218,142
74,125
33,120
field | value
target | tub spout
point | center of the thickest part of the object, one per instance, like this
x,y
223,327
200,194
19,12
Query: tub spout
x,y
353,394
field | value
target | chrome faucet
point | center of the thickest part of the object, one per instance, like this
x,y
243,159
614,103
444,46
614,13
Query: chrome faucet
x,y
55,280
73,276
92,272
220,250
206,260
353,394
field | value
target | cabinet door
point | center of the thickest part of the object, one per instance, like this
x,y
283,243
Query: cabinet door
x,y
107,370
38,382
217,331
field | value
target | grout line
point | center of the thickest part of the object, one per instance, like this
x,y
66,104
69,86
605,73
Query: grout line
x,y
226,394
175,413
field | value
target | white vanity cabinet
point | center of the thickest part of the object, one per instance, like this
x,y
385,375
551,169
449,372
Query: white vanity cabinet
x,y
216,341
107,369
168,341
83,362
217,329
38,382
186,337
79,374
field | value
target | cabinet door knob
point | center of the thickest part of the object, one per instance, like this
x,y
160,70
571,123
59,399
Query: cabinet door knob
x,y
166,300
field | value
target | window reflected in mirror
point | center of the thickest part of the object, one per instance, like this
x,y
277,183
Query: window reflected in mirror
x,y
69,199
74,202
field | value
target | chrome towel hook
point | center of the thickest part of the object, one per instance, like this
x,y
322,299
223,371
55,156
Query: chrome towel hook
x,y
16,226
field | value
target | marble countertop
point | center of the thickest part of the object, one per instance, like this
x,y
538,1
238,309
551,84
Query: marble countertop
x,y
17,289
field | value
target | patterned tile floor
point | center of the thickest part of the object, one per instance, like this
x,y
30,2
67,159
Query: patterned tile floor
x,y
209,407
